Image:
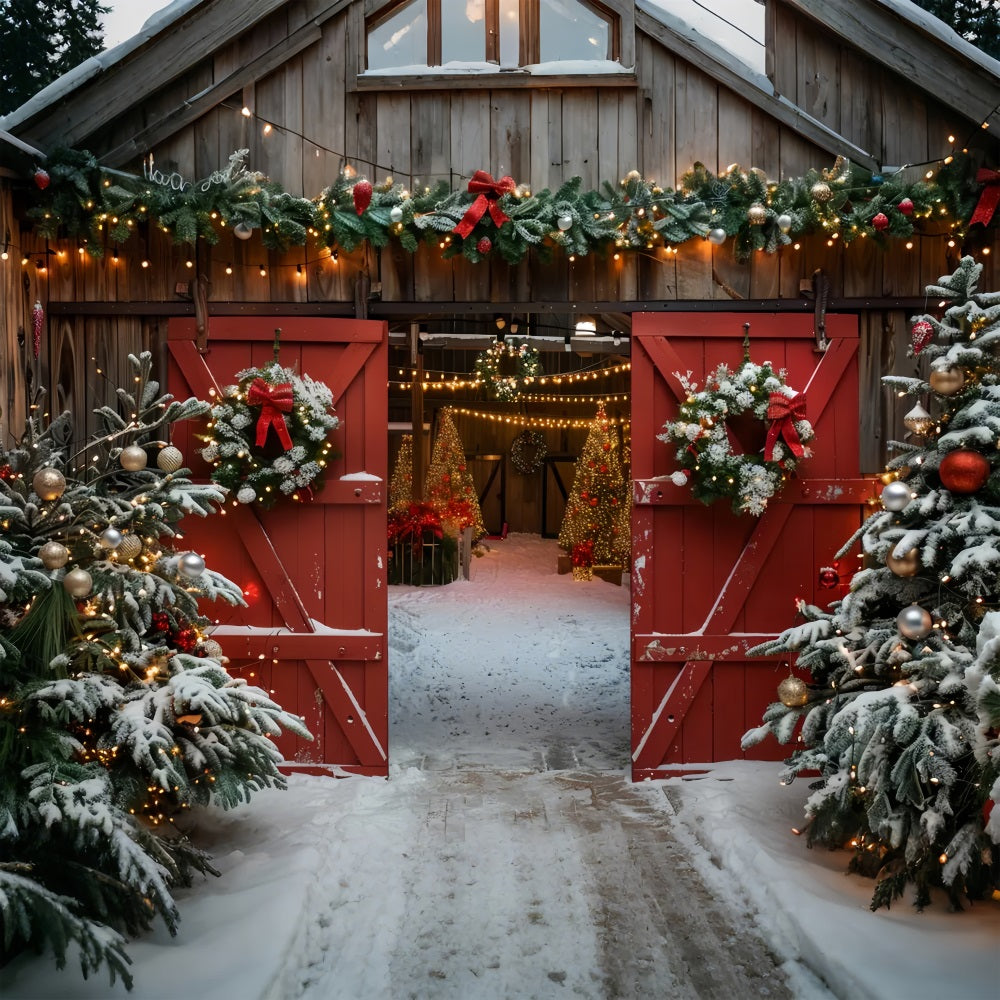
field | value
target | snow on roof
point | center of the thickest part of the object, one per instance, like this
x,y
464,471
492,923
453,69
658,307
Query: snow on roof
x,y
95,65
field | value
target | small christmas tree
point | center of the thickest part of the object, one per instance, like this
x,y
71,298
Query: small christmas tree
x,y
117,716
595,527
401,483
449,487
900,717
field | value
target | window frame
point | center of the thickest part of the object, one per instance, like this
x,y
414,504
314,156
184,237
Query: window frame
x,y
529,41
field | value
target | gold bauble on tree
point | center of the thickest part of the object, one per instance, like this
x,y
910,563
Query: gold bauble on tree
x,y
128,548
48,484
757,214
946,380
133,458
821,192
793,692
169,459
906,565
54,555
78,582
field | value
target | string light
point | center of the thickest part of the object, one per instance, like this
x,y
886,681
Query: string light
x,y
519,420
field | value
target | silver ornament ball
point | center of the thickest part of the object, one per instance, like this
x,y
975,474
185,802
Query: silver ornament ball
x,y
169,459
717,237
54,555
242,231
396,213
191,565
133,458
212,649
48,484
78,582
896,496
564,222
914,622
784,222
111,538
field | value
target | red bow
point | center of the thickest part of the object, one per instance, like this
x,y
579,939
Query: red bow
x,y
989,198
489,191
783,411
274,400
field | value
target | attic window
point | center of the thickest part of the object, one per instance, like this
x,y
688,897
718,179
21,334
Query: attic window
x,y
508,33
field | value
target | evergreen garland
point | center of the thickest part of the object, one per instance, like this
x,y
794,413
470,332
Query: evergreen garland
x,y
99,206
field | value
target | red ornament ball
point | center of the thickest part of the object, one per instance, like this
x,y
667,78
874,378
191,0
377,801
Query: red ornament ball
x,y
362,194
880,222
41,179
921,334
906,206
964,471
828,577
485,245
593,501
606,446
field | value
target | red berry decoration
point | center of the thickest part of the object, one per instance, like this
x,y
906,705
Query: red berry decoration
x,y
41,179
880,222
362,194
921,334
964,471
906,206
484,246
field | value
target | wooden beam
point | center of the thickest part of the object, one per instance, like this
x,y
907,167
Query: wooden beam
x,y
512,79
714,62
925,60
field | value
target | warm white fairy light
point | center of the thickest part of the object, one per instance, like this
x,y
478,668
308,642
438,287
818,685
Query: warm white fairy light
x,y
519,420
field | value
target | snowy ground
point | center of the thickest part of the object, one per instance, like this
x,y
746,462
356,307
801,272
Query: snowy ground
x,y
509,857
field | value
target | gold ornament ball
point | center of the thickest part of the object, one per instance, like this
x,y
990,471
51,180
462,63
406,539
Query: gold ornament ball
x,y
133,458
757,214
821,192
54,555
919,421
211,649
170,459
907,565
946,380
128,548
793,692
78,582
48,484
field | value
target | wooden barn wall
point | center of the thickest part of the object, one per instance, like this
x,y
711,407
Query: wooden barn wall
x,y
671,116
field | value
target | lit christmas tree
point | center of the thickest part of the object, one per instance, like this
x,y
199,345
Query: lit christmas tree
x,y
595,527
401,483
449,488
901,714
116,713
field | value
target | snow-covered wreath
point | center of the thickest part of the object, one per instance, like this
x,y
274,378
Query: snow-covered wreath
x,y
528,451
740,436
506,368
268,437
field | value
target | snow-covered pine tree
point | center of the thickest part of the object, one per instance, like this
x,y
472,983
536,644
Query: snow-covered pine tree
x,y
116,712
896,718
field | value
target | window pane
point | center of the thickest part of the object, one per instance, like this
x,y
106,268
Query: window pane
x,y
400,40
569,30
510,39
463,30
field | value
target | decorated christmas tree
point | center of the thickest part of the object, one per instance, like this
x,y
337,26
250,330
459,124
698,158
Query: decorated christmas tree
x,y
595,527
401,483
117,716
901,713
449,488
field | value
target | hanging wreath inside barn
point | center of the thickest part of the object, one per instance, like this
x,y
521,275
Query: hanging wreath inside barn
x,y
268,436
528,451
506,368
740,437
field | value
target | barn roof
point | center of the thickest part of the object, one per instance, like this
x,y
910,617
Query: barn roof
x,y
724,38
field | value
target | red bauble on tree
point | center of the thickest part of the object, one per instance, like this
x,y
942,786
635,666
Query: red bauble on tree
x,y
906,206
921,334
880,222
362,194
41,179
484,246
964,471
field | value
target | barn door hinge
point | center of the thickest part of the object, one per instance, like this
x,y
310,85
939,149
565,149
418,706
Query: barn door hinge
x,y
817,288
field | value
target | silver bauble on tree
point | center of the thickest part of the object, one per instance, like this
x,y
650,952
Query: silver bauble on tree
x,y
212,649
78,582
914,622
54,555
784,222
793,692
111,538
895,496
48,484
133,458
717,237
191,565
169,459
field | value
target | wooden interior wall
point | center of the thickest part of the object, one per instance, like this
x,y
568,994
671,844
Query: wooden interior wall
x,y
15,326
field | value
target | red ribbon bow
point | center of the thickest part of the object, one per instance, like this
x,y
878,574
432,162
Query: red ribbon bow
x,y
989,197
783,411
273,400
489,191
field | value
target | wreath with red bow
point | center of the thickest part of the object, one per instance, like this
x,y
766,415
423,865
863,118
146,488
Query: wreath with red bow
x,y
269,436
740,437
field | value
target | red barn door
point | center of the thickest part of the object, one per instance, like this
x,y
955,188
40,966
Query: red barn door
x,y
708,584
314,629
